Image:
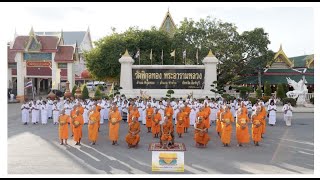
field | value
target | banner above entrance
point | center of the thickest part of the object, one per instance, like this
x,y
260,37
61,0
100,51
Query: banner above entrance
x,y
38,64
168,78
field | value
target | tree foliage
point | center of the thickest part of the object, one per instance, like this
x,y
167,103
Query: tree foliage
x,y
238,53
258,93
267,89
85,92
280,91
74,90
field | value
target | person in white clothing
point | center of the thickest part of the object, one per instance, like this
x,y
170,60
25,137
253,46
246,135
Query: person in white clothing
x,y
25,112
34,112
125,111
193,113
55,113
249,107
49,104
39,105
213,111
272,109
44,111
287,113
67,108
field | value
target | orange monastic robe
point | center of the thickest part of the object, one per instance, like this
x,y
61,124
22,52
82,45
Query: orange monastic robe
x,y
133,114
181,118
201,137
187,111
77,130
242,130
218,122
98,109
156,125
114,129
244,110
201,114
133,139
257,131
168,111
63,126
226,129
149,113
94,121
72,115
206,116
263,121
166,136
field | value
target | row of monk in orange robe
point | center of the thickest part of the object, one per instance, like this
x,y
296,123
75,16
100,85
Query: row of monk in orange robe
x,y
156,123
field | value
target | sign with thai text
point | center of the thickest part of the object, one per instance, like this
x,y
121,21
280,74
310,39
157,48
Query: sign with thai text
x,y
38,64
168,78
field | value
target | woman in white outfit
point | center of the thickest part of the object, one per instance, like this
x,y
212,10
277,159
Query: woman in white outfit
x,y
44,113
55,113
25,113
287,113
161,108
272,109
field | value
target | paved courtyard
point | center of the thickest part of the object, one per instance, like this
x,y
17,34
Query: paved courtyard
x,y
35,149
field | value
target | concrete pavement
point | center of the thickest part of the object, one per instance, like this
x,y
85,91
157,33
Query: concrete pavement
x,y
35,149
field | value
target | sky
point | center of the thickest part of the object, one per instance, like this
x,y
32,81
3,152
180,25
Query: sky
x,y
290,26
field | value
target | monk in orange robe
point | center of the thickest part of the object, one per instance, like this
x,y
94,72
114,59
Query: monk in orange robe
x,y
166,129
181,118
201,136
77,127
80,108
72,115
257,118
263,121
98,109
156,118
133,136
201,113
206,116
244,108
226,118
133,113
63,127
93,125
242,131
168,111
218,121
114,125
187,111
149,113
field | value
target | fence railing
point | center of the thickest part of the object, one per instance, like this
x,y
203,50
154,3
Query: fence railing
x,y
237,95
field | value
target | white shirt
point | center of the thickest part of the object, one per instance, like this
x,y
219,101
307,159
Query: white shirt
x,y
287,108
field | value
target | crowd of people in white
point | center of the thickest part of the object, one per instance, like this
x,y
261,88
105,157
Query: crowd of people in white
x,y
42,110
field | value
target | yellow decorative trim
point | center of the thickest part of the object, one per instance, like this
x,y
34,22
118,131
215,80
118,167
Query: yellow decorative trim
x,y
126,53
280,55
309,61
165,17
210,54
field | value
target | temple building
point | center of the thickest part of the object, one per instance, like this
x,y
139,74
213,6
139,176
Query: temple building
x,y
46,58
282,67
168,24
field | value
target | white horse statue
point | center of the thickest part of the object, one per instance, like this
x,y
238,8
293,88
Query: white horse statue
x,y
300,90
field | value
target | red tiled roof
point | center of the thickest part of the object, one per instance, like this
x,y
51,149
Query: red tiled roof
x,y
47,42
14,72
39,71
20,42
11,55
64,54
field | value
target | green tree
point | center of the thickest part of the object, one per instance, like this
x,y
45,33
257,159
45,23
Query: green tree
x,y
244,91
74,90
258,93
85,92
169,93
285,87
267,89
98,94
218,87
280,92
